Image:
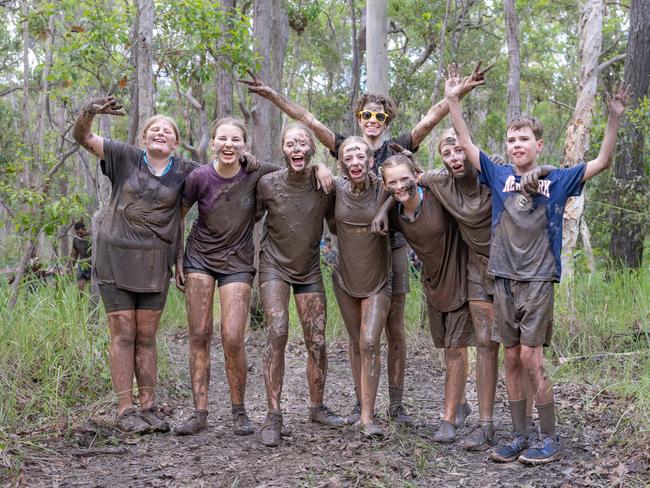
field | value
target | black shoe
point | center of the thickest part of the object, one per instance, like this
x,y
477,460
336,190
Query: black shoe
x,y
193,424
270,434
510,452
324,416
548,450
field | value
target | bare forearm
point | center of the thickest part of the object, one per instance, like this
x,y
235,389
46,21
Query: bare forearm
x,y
609,141
83,134
433,117
472,152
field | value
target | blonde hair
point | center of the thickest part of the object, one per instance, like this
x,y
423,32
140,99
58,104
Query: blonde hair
x,y
398,160
161,118
350,140
229,121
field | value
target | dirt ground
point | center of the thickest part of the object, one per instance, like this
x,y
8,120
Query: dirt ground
x,y
314,456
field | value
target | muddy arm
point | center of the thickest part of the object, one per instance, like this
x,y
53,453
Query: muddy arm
x,y
82,132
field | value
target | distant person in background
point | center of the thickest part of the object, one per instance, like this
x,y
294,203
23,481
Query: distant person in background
x,y
81,254
330,255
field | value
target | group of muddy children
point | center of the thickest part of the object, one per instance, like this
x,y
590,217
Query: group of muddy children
x,y
488,235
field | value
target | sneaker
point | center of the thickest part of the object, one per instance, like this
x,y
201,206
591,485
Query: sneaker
x,y
324,416
480,439
193,424
354,416
129,421
548,450
446,433
241,423
158,424
370,430
462,412
398,415
270,434
510,452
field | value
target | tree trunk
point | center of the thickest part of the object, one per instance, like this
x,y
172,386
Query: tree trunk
x,y
142,90
358,48
630,191
377,46
224,78
514,65
26,76
577,140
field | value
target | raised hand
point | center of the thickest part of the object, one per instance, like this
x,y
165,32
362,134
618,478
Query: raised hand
x,y
250,162
257,86
454,83
619,98
104,105
477,78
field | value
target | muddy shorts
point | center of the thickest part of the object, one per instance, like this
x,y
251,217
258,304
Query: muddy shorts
x,y
523,312
297,287
400,276
116,299
480,285
451,329
222,278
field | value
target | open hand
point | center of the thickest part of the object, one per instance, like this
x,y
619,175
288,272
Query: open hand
x,y
250,162
104,105
379,225
477,78
530,181
454,83
619,98
257,86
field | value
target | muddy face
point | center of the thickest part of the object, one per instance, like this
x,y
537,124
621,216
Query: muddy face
x,y
522,149
228,145
372,127
355,162
454,159
297,149
400,182
160,139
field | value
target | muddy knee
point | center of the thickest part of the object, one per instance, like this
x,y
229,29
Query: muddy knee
x,y
278,334
232,342
369,346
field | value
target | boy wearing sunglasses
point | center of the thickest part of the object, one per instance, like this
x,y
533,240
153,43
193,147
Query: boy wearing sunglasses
x,y
374,114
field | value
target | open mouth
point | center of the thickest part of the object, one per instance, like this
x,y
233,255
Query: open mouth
x,y
518,154
160,140
356,172
456,168
298,161
227,154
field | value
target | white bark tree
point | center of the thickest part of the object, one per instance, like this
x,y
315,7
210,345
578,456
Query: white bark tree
x,y
377,46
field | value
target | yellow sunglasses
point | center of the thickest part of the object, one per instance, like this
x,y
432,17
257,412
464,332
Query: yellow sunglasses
x,y
367,115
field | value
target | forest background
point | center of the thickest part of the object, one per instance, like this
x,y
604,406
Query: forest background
x,y
554,59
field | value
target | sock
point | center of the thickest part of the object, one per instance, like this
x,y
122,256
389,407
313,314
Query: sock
x,y
518,413
395,395
546,414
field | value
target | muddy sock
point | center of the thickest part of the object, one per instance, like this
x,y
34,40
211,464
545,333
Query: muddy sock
x,y
518,413
395,396
546,414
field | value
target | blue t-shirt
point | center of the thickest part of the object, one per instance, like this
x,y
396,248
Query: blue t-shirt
x,y
527,231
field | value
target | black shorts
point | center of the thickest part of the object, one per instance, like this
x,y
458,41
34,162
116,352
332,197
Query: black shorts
x,y
116,299
400,271
316,287
225,279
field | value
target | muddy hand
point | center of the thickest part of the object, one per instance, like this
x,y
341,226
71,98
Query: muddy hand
x,y
454,83
617,101
250,162
477,78
530,182
104,105
379,224
256,86
324,178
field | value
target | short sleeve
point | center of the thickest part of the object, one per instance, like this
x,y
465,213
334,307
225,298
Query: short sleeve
x,y
338,140
261,204
570,179
432,178
116,157
406,141
190,190
487,171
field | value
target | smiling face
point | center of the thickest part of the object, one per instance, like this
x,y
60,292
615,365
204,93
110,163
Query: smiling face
x,y
453,158
400,182
355,161
160,138
297,149
523,148
372,127
228,144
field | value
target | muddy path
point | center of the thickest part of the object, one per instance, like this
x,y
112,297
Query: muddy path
x,y
314,456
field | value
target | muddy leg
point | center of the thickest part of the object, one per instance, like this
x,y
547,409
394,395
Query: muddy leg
x,y
121,356
455,380
275,303
487,354
146,355
199,297
374,312
351,312
312,310
396,356
235,301
532,358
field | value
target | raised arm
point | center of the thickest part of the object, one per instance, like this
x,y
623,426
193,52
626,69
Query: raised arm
x,y
293,110
82,133
440,110
453,89
616,104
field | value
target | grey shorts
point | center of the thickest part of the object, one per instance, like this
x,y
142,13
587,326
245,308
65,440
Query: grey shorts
x,y
400,272
523,312
116,299
451,329
480,285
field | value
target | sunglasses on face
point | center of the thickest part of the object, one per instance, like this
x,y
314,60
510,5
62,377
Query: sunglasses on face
x,y
367,115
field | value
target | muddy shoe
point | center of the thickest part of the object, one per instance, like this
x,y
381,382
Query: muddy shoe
x,y
548,450
370,430
479,439
150,416
193,424
462,412
398,415
129,421
446,433
271,432
510,452
241,423
354,416
324,416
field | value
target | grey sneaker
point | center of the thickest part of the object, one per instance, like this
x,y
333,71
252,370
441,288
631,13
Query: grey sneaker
x,y
324,416
462,412
446,433
355,415
193,424
241,423
158,424
270,434
129,421
398,415
480,439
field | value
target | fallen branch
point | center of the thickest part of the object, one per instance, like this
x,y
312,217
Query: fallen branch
x,y
601,355
99,451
